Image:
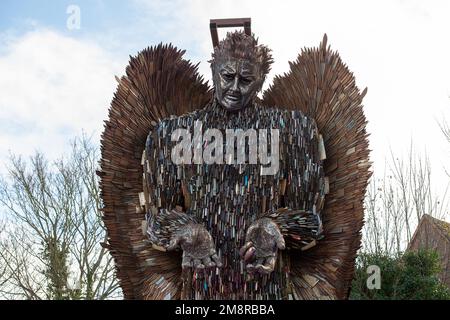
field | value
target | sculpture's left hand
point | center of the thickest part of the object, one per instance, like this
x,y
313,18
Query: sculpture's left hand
x,y
262,241
198,247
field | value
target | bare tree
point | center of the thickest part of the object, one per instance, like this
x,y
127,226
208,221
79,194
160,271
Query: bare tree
x,y
396,202
445,128
50,246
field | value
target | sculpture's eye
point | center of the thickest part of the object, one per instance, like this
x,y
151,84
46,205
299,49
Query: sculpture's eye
x,y
227,76
246,81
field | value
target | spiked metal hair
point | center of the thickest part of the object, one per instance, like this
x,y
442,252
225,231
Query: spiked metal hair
x,y
242,46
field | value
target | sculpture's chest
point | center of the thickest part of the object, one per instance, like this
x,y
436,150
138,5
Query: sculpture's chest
x,y
227,181
227,198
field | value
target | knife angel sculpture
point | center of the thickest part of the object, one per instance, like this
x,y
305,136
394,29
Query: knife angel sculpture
x,y
186,219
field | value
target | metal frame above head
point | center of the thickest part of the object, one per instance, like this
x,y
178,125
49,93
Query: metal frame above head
x,y
214,24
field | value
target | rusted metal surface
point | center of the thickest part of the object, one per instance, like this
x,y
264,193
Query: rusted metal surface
x,y
320,85
214,24
159,83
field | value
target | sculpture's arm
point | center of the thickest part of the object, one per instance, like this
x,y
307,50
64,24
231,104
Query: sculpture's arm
x,y
290,226
169,226
301,229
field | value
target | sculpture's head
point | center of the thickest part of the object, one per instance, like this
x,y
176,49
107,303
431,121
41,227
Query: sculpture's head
x,y
239,67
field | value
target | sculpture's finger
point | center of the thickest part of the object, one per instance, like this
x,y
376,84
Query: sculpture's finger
x,y
267,267
186,262
244,248
259,262
208,263
216,259
174,243
262,269
280,241
198,264
250,254
250,268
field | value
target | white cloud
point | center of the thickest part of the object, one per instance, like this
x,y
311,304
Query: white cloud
x,y
52,87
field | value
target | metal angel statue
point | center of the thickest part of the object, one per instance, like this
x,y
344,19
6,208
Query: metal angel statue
x,y
217,194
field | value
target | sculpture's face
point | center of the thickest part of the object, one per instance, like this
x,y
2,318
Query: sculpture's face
x,y
236,83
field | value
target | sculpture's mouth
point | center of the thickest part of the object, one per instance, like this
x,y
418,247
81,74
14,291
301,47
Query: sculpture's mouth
x,y
233,97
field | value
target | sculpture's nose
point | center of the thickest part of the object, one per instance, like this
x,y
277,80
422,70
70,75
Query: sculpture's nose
x,y
235,86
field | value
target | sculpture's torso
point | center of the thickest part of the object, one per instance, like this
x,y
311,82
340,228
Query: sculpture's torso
x,y
228,198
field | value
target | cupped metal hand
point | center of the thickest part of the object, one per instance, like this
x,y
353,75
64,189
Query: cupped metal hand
x,y
198,247
262,241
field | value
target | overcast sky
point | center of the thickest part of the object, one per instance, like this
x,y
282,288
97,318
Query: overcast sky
x,y
56,81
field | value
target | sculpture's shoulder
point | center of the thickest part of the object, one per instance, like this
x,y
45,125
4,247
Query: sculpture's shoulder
x,y
172,122
289,121
164,128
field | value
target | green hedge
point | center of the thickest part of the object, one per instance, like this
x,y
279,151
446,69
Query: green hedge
x,y
412,276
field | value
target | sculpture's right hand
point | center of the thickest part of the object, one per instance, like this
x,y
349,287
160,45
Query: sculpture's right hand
x,y
198,247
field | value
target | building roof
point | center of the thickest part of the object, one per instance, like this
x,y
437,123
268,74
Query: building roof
x,y
442,226
432,233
